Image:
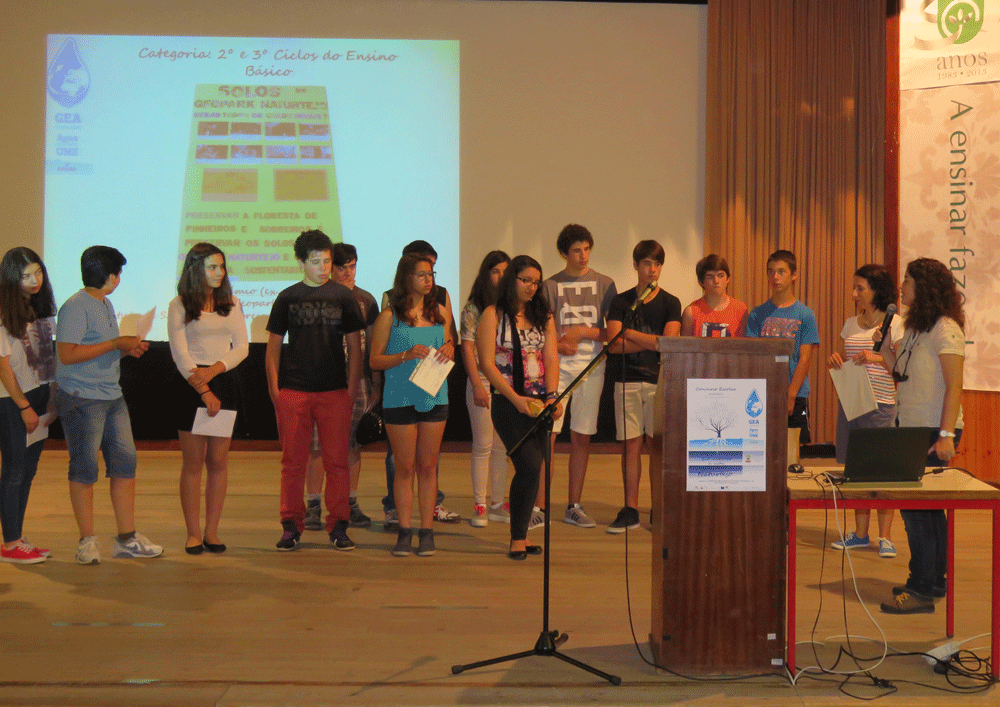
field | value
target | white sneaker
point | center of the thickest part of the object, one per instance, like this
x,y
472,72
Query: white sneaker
x,y
575,515
478,519
138,546
500,514
537,519
443,515
88,552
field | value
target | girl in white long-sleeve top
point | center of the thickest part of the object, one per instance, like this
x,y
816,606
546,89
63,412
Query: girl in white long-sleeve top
x,y
27,370
208,339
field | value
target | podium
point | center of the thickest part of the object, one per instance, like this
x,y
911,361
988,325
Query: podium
x,y
719,556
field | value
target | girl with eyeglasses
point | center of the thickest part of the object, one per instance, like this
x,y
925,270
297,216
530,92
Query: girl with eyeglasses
x,y
929,395
404,333
516,341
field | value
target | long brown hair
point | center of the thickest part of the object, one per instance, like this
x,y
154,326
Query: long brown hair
x,y
16,310
399,298
483,293
193,287
536,311
935,295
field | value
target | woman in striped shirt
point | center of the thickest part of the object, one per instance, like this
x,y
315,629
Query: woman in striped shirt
x,y
873,292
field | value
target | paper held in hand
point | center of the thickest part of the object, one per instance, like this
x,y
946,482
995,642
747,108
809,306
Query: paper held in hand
x,y
219,426
143,324
854,389
41,432
430,374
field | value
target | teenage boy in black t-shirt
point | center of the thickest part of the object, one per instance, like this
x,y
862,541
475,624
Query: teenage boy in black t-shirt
x,y
310,382
636,352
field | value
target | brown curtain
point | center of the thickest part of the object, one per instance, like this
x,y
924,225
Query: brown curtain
x,y
795,129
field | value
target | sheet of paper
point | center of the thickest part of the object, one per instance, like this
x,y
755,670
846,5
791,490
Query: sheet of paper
x,y
219,426
430,373
144,324
41,432
854,389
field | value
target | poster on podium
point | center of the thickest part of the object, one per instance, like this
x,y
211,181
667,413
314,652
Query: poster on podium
x,y
726,435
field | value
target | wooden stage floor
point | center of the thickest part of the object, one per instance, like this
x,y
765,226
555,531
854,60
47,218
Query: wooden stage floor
x,y
319,627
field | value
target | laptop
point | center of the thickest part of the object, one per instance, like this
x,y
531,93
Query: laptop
x,y
886,455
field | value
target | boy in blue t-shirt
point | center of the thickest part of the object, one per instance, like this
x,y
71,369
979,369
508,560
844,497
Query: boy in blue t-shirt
x,y
92,407
784,317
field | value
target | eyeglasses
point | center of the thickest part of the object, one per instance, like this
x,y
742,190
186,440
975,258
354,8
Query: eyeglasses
x,y
528,282
902,377
424,275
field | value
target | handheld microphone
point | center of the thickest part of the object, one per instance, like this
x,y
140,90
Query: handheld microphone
x,y
645,293
890,311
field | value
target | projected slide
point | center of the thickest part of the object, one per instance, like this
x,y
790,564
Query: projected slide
x,y
257,178
156,143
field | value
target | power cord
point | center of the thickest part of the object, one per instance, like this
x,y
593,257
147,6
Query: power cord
x,y
964,664
824,480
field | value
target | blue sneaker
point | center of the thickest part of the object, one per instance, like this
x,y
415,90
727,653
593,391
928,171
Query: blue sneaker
x,y
851,541
886,548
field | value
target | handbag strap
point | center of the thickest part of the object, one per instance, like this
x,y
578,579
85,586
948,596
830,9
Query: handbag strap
x,y
515,340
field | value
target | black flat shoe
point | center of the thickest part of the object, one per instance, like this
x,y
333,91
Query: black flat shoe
x,y
517,554
533,549
215,547
194,549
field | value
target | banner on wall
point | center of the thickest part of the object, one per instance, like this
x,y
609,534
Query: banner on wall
x,y
948,43
949,164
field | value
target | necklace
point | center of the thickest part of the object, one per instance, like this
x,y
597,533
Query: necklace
x,y
871,321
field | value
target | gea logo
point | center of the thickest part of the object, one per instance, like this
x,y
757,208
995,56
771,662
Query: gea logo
x,y
68,79
958,21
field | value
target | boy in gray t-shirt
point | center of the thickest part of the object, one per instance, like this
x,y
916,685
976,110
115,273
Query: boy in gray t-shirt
x,y
579,299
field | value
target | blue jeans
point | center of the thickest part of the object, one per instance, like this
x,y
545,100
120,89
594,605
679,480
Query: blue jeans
x,y
92,426
19,461
927,536
388,501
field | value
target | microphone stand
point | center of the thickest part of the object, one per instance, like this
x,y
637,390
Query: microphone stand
x,y
549,640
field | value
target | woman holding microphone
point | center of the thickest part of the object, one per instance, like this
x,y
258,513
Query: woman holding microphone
x,y
928,370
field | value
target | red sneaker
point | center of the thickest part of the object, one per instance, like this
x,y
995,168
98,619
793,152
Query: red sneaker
x,y
43,551
21,554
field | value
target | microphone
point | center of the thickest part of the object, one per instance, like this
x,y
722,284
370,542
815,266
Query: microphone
x,y
645,293
890,311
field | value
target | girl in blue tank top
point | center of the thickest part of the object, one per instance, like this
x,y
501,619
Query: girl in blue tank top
x,y
399,391
404,333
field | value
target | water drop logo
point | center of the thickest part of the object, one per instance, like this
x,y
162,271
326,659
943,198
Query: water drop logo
x,y
68,78
958,21
754,407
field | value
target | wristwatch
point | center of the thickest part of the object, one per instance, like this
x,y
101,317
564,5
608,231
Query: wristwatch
x,y
946,433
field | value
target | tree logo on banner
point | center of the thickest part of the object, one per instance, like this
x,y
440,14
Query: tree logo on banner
x,y
958,21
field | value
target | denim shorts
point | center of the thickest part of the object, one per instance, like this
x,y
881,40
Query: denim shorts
x,y
409,415
97,425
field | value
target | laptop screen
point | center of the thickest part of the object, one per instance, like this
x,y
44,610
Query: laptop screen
x,y
887,454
